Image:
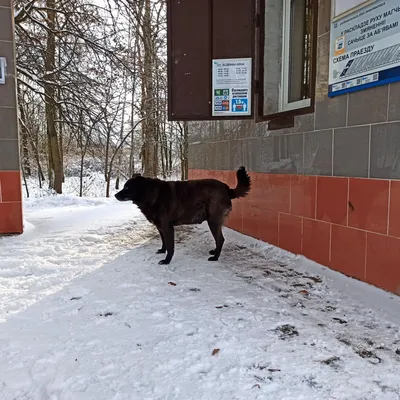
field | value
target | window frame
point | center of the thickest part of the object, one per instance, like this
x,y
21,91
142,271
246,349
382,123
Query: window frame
x,y
286,109
3,65
285,105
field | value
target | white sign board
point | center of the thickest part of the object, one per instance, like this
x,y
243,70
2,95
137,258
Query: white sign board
x,y
365,48
231,87
3,65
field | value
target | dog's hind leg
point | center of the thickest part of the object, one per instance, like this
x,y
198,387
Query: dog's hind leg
x,y
164,246
216,230
225,215
169,233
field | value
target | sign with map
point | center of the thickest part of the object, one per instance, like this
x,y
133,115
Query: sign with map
x,y
365,48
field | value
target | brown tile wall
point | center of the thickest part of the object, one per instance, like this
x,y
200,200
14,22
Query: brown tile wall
x,y
351,225
10,177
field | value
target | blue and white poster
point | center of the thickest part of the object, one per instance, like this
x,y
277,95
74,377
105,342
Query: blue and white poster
x,y
231,89
239,105
365,47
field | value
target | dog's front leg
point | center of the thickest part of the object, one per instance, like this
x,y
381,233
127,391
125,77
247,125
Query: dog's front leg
x,y
164,246
169,234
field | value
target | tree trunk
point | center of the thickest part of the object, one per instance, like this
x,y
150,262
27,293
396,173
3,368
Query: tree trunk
x,y
25,182
121,132
24,140
37,158
81,174
170,158
149,125
60,122
184,151
83,146
55,162
132,150
61,141
108,185
107,154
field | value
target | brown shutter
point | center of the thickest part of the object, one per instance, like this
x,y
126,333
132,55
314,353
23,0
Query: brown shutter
x,y
233,34
198,31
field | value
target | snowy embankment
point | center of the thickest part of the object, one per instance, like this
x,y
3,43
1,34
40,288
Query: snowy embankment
x,y
87,313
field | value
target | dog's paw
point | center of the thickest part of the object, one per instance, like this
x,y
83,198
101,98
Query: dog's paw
x,y
161,251
212,252
213,259
163,262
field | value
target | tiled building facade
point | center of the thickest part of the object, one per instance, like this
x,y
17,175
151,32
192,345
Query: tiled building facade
x,y
10,177
327,187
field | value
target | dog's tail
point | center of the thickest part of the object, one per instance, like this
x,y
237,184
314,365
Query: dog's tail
x,y
242,188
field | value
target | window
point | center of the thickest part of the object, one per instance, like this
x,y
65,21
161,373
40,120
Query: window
x,y
288,62
2,70
297,35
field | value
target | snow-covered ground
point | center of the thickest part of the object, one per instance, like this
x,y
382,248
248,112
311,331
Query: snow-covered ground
x,y
86,313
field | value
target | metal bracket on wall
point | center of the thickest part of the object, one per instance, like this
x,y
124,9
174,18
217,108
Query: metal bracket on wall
x,y
3,65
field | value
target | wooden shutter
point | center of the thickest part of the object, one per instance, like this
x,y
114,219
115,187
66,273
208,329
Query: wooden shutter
x,y
198,32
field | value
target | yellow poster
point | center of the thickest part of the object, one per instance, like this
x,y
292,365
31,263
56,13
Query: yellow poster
x,y
340,46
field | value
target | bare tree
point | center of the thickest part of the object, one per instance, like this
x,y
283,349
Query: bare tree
x,y
87,73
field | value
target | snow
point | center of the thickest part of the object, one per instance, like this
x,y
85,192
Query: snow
x,y
93,187
87,313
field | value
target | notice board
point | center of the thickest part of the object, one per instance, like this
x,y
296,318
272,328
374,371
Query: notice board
x,y
365,47
231,87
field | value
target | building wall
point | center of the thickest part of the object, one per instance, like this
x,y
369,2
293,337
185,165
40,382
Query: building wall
x,y
10,177
329,187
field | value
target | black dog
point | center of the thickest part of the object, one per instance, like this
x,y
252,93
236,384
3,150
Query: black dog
x,y
171,203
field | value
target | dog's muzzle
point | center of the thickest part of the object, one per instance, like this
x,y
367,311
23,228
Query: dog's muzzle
x,y
120,197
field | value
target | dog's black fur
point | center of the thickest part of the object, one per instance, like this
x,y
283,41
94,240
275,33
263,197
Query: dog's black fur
x,y
171,203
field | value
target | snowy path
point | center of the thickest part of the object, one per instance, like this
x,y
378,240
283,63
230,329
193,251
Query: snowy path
x,y
87,313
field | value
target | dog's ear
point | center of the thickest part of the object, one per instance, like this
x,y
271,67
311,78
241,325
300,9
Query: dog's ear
x,y
136,175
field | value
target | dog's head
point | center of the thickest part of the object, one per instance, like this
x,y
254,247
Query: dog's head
x,y
132,189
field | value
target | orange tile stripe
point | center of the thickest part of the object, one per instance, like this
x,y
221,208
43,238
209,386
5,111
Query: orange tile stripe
x,y
11,219
348,224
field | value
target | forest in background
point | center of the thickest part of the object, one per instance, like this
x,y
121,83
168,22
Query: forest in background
x,y
92,92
